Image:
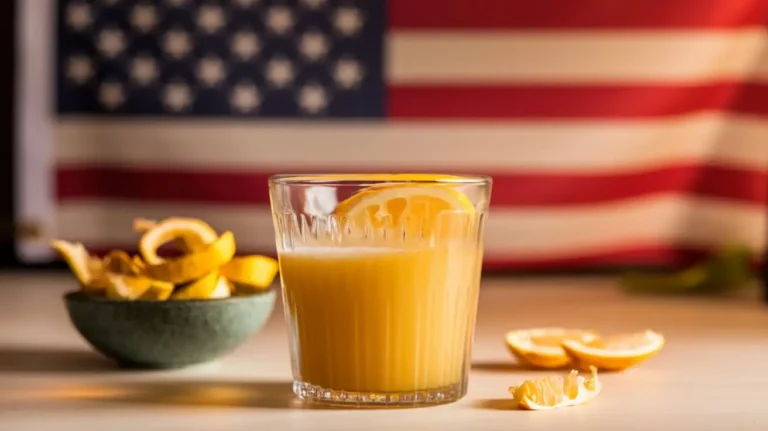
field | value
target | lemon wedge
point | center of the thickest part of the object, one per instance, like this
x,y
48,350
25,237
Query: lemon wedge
x,y
253,272
553,392
195,234
130,288
193,266
87,269
617,352
542,347
210,286
408,210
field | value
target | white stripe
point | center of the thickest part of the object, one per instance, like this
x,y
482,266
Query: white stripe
x,y
572,57
523,146
34,179
523,233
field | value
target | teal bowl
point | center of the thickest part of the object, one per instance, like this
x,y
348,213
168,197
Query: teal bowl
x,y
168,334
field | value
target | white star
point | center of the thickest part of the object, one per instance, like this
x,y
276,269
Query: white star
x,y
279,72
245,3
279,19
177,43
177,96
348,20
348,73
79,69
111,42
245,98
210,18
177,3
79,15
313,45
313,4
313,98
210,70
144,17
111,95
144,69
245,44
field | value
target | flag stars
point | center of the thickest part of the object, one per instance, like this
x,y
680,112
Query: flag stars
x,y
79,15
279,20
348,73
313,45
79,69
348,20
177,96
210,18
245,45
111,95
144,70
144,17
279,72
312,98
177,43
245,98
111,42
210,70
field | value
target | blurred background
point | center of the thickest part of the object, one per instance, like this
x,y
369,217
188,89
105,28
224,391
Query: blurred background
x,y
618,134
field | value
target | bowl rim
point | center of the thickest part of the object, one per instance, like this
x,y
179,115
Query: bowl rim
x,y
81,296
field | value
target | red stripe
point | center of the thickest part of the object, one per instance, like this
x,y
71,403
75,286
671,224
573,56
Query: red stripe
x,y
573,101
652,255
564,14
510,188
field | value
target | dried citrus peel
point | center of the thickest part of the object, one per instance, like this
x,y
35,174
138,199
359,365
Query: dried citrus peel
x,y
254,272
210,286
195,235
87,269
128,287
553,392
193,266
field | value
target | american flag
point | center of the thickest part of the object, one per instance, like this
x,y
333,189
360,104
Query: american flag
x,y
628,132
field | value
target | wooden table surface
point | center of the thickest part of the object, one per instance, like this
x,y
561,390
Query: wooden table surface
x,y
712,374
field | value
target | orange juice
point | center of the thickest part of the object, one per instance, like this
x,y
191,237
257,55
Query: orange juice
x,y
381,320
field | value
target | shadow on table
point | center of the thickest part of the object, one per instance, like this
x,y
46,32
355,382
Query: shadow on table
x,y
189,393
500,367
28,359
496,404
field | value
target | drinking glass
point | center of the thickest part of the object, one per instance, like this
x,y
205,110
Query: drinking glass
x,y
380,278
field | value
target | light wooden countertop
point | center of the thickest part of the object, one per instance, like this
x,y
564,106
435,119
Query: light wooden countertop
x,y
712,374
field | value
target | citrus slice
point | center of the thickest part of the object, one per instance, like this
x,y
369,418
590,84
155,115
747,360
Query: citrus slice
x,y
129,288
617,352
196,235
553,392
252,272
87,269
541,347
196,265
410,210
119,262
210,286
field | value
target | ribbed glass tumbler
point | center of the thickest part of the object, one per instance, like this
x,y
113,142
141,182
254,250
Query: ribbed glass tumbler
x,y
380,277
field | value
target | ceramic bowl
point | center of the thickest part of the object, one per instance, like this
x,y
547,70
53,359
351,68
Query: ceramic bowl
x,y
168,334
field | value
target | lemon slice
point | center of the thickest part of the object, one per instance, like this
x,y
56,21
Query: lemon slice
x,y
408,210
87,269
210,286
129,288
617,352
549,393
196,265
196,235
541,347
252,272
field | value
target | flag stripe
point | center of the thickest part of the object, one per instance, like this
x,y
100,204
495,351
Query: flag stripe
x,y
524,233
510,188
606,101
591,147
561,57
562,14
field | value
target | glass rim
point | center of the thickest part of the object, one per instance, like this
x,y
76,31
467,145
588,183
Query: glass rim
x,y
358,179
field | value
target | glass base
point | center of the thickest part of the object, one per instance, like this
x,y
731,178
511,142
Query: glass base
x,y
430,397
